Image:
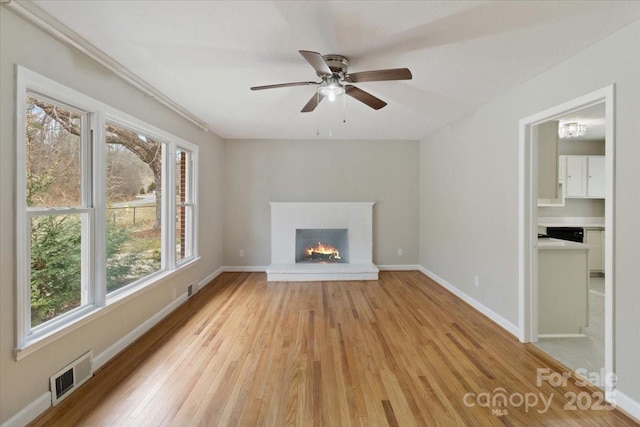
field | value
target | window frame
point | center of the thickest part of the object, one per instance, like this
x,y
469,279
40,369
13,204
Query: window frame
x,y
86,212
189,204
96,301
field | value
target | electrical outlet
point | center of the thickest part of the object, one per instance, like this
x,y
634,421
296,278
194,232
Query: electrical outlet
x,y
399,251
241,253
476,281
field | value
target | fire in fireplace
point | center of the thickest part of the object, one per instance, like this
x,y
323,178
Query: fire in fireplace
x,y
323,252
324,245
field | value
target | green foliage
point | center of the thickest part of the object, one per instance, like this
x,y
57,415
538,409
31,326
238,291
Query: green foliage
x,y
55,266
118,266
38,184
151,187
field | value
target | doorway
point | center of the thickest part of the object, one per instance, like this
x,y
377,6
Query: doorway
x,y
528,221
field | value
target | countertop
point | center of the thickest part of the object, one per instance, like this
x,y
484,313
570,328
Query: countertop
x,y
558,244
586,222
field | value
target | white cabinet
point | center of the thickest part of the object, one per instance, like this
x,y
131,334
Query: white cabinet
x,y
563,288
595,177
576,176
585,177
594,237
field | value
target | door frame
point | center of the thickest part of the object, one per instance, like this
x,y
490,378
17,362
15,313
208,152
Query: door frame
x,y
528,254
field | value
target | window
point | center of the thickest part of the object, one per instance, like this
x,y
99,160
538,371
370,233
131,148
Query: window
x,y
184,205
96,219
57,200
134,208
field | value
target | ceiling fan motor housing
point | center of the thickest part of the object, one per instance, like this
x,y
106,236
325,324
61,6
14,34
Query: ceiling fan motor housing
x,y
338,64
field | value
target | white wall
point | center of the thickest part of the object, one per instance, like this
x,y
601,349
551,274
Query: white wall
x,y
20,43
469,189
259,172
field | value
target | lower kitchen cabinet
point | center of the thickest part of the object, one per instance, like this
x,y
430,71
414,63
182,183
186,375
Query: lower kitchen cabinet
x,y
563,287
594,237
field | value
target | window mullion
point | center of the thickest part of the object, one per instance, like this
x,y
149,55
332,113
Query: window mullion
x,y
99,276
169,207
87,222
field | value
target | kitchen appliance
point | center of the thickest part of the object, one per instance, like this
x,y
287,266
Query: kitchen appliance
x,y
574,234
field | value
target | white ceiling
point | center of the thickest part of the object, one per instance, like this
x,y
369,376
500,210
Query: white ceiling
x,y
205,55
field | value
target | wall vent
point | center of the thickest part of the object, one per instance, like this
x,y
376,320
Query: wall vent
x,y
71,377
192,289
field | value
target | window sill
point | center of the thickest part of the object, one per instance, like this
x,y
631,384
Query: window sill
x,y
43,340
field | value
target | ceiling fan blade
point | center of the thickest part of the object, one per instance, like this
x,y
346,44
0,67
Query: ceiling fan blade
x,y
284,85
313,103
379,75
364,97
317,62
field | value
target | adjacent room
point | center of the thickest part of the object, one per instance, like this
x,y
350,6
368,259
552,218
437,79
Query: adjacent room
x,y
319,213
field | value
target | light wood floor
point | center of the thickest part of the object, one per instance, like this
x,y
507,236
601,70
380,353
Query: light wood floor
x,y
400,351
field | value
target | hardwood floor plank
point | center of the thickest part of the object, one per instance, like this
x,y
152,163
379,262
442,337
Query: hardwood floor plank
x,y
397,351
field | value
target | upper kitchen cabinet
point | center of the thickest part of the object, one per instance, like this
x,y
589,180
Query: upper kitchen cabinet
x,y
549,189
576,169
584,177
595,177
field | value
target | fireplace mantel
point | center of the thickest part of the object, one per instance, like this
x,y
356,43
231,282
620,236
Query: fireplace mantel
x,y
287,217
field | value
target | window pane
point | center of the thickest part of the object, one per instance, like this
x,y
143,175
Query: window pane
x,y
183,216
54,167
183,230
134,189
56,252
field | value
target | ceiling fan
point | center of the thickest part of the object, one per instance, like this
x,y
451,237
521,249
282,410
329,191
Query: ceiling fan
x,y
332,69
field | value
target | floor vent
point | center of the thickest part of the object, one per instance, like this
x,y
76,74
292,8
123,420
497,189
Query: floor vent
x,y
71,377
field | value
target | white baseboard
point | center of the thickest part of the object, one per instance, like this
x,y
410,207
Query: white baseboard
x,y
204,282
245,268
561,335
627,405
401,267
30,412
125,341
492,315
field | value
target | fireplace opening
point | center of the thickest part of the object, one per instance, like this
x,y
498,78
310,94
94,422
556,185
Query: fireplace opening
x,y
322,245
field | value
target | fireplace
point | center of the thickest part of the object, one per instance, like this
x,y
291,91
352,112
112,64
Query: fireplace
x,y
313,241
322,245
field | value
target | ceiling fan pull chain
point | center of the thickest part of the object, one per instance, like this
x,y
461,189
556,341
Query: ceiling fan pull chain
x,y
317,112
344,108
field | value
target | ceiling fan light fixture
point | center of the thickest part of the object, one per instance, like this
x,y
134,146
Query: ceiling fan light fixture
x,y
572,130
331,88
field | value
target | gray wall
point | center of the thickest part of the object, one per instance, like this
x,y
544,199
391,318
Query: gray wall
x,y
259,172
20,43
469,189
587,148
